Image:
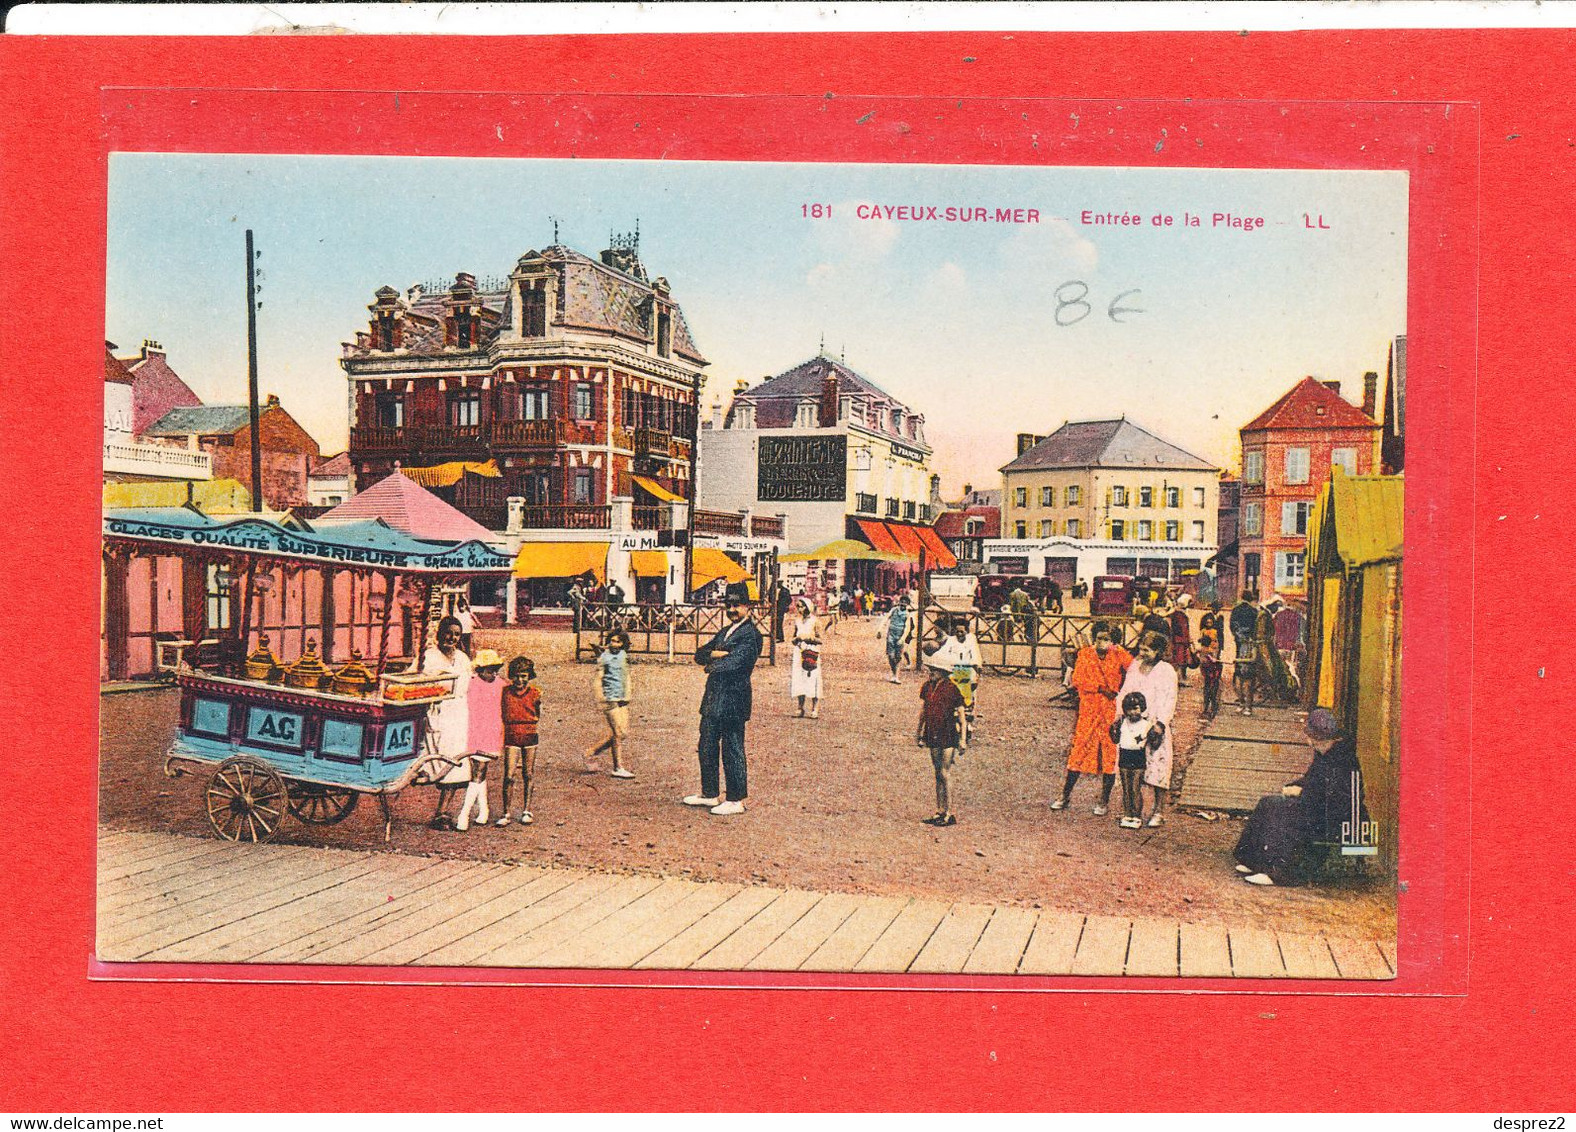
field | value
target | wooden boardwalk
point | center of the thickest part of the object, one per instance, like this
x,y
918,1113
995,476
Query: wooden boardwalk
x,y
164,898
1240,759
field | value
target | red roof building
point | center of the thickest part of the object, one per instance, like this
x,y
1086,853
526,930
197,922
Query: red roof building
x,y
1287,452
965,531
572,381
288,450
155,388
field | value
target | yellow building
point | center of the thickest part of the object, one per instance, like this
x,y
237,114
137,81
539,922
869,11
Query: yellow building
x,y
1105,497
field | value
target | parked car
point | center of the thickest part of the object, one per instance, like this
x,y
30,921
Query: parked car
x,y
1112,595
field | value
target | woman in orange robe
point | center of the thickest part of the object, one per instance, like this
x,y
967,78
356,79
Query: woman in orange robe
x,y
1097,677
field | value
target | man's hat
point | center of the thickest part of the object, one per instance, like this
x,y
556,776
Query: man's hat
x,y
739,593
487,658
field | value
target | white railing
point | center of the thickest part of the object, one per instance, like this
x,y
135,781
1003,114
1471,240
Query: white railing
x,y
157,460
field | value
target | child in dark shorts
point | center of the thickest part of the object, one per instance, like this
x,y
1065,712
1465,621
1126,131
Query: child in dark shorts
x,y
943,728
1210,666
1130,733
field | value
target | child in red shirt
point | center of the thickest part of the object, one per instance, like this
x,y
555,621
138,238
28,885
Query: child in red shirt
x,y
943,728
521,706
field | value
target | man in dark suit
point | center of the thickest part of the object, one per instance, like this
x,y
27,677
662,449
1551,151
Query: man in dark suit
x,y
729,658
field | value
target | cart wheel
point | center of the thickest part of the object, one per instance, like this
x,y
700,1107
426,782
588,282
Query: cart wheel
x,y
321,805
246,800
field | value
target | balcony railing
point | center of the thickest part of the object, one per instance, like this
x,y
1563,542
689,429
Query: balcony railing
x,y
528,434
717,522
573,517
374,438
766,526
157,460
651,518
652,440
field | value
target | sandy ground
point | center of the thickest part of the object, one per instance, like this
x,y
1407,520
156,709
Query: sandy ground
x,y
835,803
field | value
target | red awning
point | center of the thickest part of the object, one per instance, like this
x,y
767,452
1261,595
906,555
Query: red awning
x,y
940,557
907,539
879,536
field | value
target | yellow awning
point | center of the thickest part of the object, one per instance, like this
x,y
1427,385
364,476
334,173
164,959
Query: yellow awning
x,y
657,489
649,563
447,475
707,564
222,496
562,560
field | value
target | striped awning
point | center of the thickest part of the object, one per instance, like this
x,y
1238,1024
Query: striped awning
x,y
877,534
939,556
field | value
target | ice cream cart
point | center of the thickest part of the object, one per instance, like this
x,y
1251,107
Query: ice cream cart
x,y
303,736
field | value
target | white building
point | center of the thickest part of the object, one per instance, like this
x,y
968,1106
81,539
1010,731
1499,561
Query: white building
x,y
125,456
840,458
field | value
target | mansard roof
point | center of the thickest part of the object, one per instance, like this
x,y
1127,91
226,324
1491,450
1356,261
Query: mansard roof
x,y
1106,444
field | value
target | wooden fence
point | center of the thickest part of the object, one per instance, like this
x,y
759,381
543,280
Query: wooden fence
x,y
1012,643
670,631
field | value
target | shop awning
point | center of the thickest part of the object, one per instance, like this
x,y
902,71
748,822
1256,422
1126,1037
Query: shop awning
x,y
447,475
648,484
562,560
907,540
649,563
844,550
939,556
879,536
707,564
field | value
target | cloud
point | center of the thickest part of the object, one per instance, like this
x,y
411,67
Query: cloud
x,y
1051,246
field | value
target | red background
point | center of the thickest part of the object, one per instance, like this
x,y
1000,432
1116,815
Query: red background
x,y
1484,487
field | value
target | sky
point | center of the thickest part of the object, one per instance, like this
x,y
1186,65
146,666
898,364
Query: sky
x,y
960,320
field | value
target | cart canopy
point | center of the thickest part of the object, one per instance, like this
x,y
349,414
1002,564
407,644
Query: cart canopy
x,y
371,545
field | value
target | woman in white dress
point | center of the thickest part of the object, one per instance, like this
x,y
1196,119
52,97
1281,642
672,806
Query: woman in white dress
x,y
804,676
449,721
1156,680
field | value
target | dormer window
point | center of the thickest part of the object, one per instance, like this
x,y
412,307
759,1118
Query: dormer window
x,y
533,313
806,415
462,329
664,332
385,331
897,421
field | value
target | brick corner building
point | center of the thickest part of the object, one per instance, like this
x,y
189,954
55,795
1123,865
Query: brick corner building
x,y
1287,453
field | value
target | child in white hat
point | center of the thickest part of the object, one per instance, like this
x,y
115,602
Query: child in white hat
x,y
485,699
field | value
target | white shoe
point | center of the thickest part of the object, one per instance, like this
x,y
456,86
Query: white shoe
x,y
622,773
1059,804
893,680
1258,878
1131,823
1244,870
525,817
1154,822
1100,811
502,821
699,800
726,808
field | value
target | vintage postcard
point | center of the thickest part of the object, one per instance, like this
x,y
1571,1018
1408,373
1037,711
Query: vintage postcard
x,y
676,567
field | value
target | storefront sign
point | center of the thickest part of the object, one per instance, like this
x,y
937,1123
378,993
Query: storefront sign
x,y
802,469
638,540
740,545
261,537
904,452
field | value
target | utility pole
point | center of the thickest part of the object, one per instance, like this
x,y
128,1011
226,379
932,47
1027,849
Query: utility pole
x,y
251,373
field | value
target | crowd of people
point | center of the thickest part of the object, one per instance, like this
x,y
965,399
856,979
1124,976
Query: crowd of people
x,y
1123,730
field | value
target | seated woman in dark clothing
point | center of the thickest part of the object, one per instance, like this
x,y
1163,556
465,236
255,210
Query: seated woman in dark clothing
x,y
1285,839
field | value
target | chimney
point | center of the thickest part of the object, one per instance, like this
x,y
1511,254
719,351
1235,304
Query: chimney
x,y
272,402
827,416
937,505
1370,392
1026,441
716,414
1333,386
